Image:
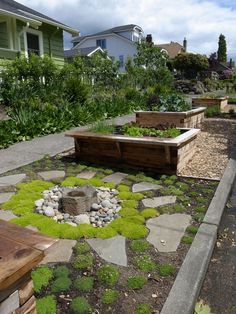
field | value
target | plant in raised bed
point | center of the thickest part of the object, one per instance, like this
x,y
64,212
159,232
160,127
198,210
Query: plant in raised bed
x,y
143,309
80,305
145,263
108,275
41,277
140,246
135,130
83,261
166,270
109,296
136,282
84,284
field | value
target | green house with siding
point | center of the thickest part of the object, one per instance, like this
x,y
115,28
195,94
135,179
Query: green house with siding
x,y
24,31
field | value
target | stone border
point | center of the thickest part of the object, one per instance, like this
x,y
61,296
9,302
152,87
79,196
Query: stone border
x,y
185,290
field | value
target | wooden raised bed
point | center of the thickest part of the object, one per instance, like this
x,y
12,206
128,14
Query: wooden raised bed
x,y
185,119
221,102
150,153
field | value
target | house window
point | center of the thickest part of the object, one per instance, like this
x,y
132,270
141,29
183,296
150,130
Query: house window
x,y
4,42
101,43
121,60
33,44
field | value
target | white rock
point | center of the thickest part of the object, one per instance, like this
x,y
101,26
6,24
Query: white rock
x,y
39,203
82,219
49,211
95,206
106,203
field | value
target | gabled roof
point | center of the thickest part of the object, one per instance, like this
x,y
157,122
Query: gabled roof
x,y
172,48
84,52
115,30
24,13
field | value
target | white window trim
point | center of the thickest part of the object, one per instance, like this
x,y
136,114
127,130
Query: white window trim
x,y
35,32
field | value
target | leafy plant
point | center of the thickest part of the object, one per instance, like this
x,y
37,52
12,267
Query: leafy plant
x,y
132,130
109,296
136,282
102,127
108,275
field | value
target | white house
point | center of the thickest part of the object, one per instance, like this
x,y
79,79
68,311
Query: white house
x,y
119,42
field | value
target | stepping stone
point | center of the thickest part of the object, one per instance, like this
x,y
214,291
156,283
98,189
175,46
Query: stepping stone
x,y
12,180
6,215
4,197
145,186
116,177
51,175
86,175
59,252
111,250
159,201
166,231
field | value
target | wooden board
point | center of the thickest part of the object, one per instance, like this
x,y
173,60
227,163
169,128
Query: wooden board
x,y
25,236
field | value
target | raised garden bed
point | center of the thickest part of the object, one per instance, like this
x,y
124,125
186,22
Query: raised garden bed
x,y
162,155
185,119
221,102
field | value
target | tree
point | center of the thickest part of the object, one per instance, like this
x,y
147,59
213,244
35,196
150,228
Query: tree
x,y
221,52
190,64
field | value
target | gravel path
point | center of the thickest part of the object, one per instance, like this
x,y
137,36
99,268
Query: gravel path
x,y
213,149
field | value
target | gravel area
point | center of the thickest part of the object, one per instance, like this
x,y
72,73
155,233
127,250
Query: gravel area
x,y
213,149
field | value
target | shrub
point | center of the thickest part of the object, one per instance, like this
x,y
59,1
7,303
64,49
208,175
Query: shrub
x,y
212,111
143,309
108,275
109,296
61,284
46,305
80,305
136,282
41,277
145,263
82,247
84,284
166,270
83,261
140,246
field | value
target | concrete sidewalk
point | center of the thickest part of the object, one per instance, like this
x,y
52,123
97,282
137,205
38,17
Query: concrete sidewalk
x,y
23,153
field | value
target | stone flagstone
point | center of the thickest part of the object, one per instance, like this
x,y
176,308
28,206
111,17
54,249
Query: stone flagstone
x,y
7,215
12,179
116,177
59,252
86,174
51,175
166,231
4,197
159,201
111,250
145,186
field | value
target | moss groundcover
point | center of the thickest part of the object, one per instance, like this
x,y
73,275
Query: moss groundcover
x,y
88,284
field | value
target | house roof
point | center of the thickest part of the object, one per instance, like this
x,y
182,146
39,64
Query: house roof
x,y
115,30
172,48
22,12
88,51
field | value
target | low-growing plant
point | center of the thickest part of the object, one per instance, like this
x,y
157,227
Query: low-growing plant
x,y
143,309
212,111
149,213
61,271
131,196
192,229
199,217
133,130
41,277
108,275
83,261
166,270
187,240
145,263
140,246
102,127
80,305
46,305
200,209
136,282
61,284
84,284
82,247
123,188
109,296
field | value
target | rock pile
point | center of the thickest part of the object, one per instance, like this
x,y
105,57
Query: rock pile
x,y
101,213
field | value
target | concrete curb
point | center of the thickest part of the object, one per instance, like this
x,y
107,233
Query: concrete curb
x,y
184,293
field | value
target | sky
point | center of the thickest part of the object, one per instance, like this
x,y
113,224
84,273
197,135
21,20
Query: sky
x,y
200,21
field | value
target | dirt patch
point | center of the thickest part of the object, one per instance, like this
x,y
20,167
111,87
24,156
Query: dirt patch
x,y
213,149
